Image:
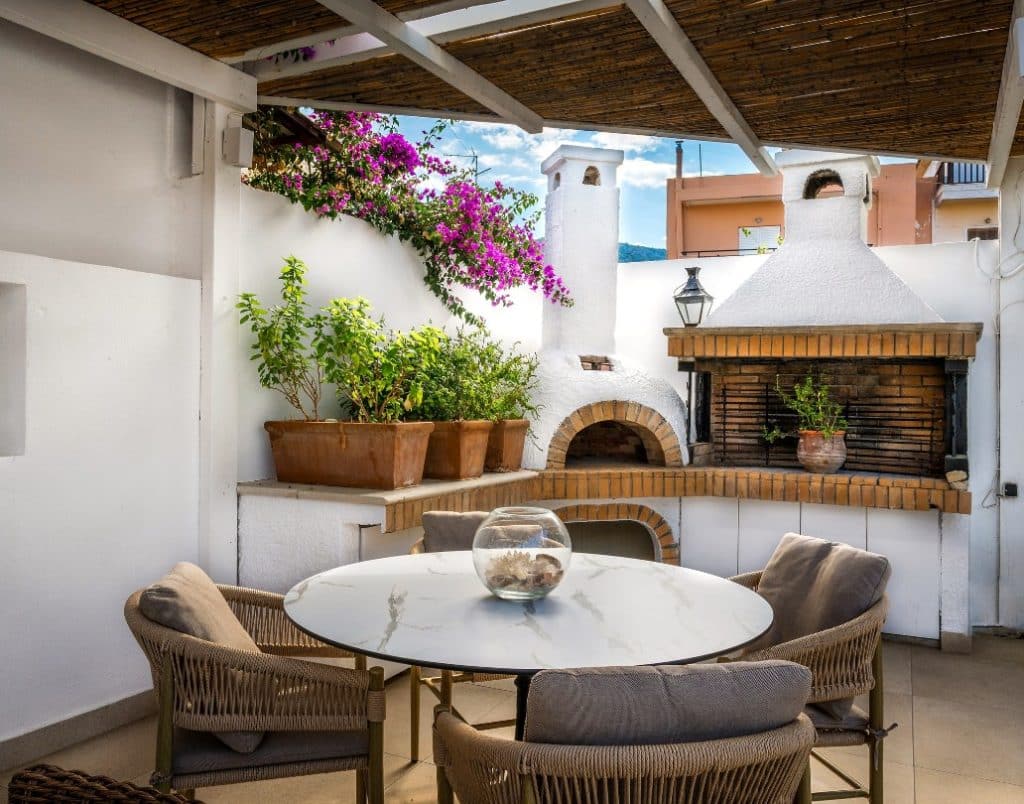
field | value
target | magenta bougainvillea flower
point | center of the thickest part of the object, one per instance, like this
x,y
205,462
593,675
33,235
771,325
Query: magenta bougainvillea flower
x,y
468,235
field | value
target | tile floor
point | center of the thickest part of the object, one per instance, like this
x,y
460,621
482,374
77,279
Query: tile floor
x,y
960,738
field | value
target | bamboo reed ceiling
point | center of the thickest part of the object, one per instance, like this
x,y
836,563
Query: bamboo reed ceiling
x,y
226,28
601,69
919,77
916,76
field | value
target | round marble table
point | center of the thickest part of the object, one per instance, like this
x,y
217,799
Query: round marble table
x,y
431,610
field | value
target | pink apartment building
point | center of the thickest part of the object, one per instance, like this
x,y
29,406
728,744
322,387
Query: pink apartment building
x,y
912,203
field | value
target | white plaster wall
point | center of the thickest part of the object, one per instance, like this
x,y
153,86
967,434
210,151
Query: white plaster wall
x,y
105,497
95,160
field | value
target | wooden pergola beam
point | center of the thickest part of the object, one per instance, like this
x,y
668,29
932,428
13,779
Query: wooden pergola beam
x,y
106,35
676,45
1010,102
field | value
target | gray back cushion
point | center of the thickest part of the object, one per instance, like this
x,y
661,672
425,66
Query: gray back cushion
x,y
813,585
450,530
660,705
187,600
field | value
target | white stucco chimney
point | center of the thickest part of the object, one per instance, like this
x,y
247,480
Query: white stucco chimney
x,y
823,273
581,241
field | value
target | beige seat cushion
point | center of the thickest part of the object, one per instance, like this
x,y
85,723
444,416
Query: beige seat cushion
x,y
661,705
199,752
188,601
450,530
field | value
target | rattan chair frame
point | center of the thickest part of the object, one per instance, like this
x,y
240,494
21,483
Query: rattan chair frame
x,y
442,687
54,785
845,661
762,768
208,687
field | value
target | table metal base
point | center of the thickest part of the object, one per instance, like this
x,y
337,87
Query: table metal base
x,y
522,691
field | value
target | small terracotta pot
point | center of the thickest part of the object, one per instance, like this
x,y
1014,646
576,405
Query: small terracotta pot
x,y
819,454
456,450
356,454
505,445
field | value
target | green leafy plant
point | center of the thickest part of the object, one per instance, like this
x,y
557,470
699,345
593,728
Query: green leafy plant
x,y
477,377
811,400
287,361
515,380
379,373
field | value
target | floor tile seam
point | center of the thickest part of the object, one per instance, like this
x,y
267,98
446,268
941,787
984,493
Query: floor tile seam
x,y
970,776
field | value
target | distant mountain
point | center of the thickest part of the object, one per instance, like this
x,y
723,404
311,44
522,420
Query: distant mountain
x,y
631,253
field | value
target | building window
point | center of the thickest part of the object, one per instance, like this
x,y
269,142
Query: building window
x,y
983,233
759,239
592,176
12,369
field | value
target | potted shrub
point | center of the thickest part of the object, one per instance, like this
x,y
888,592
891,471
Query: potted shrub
x,y
821,426
455,399
512,384
378,378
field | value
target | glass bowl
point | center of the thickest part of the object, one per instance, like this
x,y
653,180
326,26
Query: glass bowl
x,y
521,553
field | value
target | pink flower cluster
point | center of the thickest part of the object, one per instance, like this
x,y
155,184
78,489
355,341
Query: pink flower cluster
x,y
468,235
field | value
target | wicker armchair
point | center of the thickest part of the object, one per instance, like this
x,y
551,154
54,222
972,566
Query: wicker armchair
x,y
319,718
844,661
762,768
53,785
441,687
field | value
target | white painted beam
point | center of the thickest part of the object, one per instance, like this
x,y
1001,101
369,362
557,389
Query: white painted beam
x,y
662,26
343,106
433,58
308,40
483,20
106,35
1010,101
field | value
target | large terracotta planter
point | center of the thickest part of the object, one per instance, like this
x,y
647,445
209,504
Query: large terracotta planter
x,y
374,456
456,450
817,453
505,445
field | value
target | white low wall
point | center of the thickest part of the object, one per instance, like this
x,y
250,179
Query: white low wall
x,y
105,496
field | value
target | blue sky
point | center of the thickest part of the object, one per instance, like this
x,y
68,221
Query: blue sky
x,y
511,156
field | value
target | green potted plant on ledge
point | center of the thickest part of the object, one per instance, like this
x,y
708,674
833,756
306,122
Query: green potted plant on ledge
x,y
513,381
457,399
377,374
821,426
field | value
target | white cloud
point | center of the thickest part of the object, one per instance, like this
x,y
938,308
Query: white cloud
x,y
640,172
630,143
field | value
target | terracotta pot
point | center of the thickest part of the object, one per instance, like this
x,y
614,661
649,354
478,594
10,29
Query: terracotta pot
x,y
456,450
817,453
374,456
505,445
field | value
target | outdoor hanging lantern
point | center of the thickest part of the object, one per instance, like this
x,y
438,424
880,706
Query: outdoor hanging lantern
x,y
692,300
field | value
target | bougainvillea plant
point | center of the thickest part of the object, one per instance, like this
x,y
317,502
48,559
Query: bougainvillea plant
x,y
468,236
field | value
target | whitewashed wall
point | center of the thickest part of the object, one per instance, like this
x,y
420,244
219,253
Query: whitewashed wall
x,y
104,498
92,160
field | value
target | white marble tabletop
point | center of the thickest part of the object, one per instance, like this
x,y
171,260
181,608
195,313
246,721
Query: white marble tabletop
x,y
432,610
